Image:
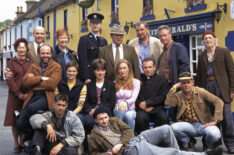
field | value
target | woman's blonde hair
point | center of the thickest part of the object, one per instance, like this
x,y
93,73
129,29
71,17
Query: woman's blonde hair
x,y
119,82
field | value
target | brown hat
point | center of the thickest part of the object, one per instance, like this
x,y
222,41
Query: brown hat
x,y
117,29
208,32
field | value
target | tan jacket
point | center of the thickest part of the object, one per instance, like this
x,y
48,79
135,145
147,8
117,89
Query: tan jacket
x,y
32,54
99,145
156,48
200,101
53,71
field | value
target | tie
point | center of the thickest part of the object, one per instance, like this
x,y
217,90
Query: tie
x,y
117,56
98,41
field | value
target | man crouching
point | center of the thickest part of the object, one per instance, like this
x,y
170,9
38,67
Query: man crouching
x,y
57,131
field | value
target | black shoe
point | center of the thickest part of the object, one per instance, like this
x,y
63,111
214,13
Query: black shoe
x,y
231,150
191,144
217,151
36,150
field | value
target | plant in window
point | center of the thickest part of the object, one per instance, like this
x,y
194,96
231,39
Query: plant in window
x,y
115,17
84,24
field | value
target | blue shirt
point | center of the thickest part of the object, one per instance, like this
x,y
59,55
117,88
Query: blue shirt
x,y
143,53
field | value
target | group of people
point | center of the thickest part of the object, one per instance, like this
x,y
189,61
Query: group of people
x,y
64,95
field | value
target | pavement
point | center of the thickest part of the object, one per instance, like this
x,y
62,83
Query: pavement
x,y
6,138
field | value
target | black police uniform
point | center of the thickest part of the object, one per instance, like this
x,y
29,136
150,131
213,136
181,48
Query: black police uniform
x,y
88,50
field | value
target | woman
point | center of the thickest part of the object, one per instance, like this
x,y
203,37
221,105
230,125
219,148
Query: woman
x,y
17,94
99,92
62,54
215,72
73,88
127,90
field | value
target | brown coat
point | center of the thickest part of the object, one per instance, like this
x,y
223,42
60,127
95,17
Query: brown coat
x,y
19,68
200,101
53,71
99,145
223,70
32,54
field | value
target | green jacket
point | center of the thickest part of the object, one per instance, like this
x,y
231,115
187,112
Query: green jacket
x,y
98,143
200,101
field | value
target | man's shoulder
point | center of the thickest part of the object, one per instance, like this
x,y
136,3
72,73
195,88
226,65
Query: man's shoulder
x,y
128,47
133,41
104,48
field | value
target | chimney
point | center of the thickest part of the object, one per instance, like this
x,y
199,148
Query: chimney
x,y
19,12
30,4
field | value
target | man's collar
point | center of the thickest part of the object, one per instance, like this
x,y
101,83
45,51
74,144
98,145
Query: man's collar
x,y
37,43
44,65
102,129
95,35
114,45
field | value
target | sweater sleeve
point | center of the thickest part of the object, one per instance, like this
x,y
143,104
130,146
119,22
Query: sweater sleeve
x,y
135,92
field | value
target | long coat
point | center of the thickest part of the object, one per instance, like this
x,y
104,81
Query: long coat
x,y
107,97
19,68
223,70
88,50
53,71
32,54
129,53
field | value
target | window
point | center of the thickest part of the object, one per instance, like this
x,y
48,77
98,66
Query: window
x,y
193,5
84,22
65,20
114,12
39,23
48,23
147,13
196,47
21,31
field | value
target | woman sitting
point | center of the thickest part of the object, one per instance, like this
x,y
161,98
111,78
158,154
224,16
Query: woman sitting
x,y
127,90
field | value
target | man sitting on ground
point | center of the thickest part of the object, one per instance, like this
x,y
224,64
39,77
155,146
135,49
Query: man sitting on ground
x,y
112,136
193,113
57,131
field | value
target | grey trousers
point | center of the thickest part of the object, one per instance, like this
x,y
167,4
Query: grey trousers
x,y
146,143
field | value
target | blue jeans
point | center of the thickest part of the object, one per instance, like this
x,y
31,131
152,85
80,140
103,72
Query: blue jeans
x,y
184,130
128,117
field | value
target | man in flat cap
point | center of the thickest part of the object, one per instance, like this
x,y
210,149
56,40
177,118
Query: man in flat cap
x,y
88,47
116,50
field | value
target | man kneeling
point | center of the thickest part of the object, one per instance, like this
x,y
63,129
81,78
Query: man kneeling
x,y
57,131
112,136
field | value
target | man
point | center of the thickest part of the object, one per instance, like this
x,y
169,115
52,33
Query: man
x,y
57,131
149,104
174,58
145,45
42,80
88,47
112,136
39,36
215,72
116,51
193,113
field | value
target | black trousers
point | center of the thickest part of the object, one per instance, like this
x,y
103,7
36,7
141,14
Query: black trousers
x,y
143,119
39,138
37,102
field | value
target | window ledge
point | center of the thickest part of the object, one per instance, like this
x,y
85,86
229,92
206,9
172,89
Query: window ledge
x,y
194,8
84,30
147,17
112,24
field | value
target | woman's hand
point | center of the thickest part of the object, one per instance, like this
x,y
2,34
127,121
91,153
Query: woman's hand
x,y
123,106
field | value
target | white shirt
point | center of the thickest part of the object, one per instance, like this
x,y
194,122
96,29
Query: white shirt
x,y
36,46
120,51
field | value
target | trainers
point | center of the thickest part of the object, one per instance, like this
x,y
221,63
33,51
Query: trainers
x,y
217,151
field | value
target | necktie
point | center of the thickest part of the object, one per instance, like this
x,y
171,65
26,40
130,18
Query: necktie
x,y
117,55
98,41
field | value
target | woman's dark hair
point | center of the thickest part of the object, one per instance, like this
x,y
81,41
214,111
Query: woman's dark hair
x,y
20,40
99,64
72,64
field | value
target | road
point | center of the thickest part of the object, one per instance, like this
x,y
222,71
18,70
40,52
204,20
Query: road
x,y
6,139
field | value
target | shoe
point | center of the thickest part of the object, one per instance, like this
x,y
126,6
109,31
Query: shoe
x,y
191,144
36,150
217,151
17,149
231,150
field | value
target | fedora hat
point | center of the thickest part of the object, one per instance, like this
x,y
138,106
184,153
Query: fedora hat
x,y
117,29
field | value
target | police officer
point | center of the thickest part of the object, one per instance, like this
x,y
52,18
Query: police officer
x,y
88,47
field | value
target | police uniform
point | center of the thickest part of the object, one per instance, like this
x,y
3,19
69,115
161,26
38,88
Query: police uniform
x,y
88,49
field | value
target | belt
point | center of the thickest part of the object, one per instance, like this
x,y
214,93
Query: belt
x,y
212,78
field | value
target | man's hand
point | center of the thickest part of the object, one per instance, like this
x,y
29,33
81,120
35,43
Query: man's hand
x,y
21,96
91,112
74,53
116,148
30,75
149,109
87,80
177,85
142,105
25,96
209,124
231,95
45,78
8,73
50,133
56,149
